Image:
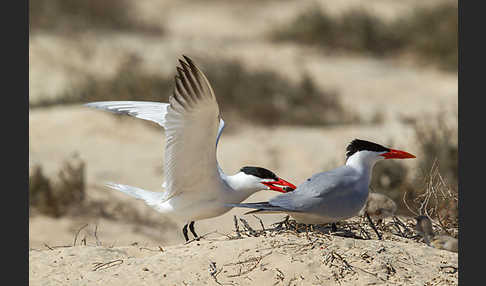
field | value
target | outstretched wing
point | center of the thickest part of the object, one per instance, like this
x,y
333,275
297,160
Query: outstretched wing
x,y
192,123
148,110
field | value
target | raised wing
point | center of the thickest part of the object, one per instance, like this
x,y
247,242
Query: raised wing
x,y
192,125
193,112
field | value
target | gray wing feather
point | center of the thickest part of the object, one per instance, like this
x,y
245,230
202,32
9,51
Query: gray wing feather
x,y
315,194
260,207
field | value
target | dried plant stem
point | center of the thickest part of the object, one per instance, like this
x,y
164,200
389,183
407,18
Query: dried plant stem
x,y
199,237
77,233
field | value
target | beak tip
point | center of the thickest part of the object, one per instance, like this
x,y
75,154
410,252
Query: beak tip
x,y
288,189
281,185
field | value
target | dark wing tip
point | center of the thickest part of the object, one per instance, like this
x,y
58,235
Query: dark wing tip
x,y
253,211
184,65
188,59
193,68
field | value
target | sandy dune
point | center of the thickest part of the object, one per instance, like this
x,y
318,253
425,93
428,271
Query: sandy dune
x,y
275,258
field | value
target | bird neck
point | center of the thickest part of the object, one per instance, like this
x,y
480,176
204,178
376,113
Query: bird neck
x,y
363,162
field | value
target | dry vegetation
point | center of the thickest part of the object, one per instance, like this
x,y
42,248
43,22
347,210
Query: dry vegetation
x,y
65,195
56,197
428,33
433,191
260,97
357,228
73,16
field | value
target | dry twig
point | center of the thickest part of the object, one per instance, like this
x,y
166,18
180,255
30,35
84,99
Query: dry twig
x,y
77,233
100,265
199,237
249,228
261,223
237,228
251,259
98,242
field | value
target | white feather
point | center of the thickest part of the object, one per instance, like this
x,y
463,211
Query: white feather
x,y
153,199
148,110
196,187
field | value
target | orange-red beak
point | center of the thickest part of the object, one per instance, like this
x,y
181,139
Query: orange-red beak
x,y
397,154
280,186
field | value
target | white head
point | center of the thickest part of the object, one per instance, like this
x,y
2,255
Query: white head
x,y
253,179
361,153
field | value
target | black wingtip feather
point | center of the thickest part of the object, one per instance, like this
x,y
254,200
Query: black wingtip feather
x,y
188,59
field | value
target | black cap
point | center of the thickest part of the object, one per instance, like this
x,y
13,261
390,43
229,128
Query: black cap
x,y
362,145
259,172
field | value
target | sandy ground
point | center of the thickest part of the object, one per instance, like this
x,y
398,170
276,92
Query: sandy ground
x,y
274,258
130,151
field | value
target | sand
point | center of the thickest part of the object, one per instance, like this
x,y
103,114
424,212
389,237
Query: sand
x,y
272,258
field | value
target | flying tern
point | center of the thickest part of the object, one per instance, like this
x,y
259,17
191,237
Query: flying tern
x,y
335,195
196,187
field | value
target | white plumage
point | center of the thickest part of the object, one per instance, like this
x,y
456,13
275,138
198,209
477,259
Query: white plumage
x,y
195,188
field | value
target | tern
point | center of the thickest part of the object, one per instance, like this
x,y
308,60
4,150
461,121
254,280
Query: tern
x,y
424,229
195,186
335,195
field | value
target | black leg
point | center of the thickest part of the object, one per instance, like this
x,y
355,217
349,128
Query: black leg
x,y
373,226
184,231
191,227
333,227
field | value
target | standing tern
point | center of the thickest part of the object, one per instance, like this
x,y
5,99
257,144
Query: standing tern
x,y
196,187
335,195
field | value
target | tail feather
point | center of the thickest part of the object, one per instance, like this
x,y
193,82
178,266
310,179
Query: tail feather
x,y
153,199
